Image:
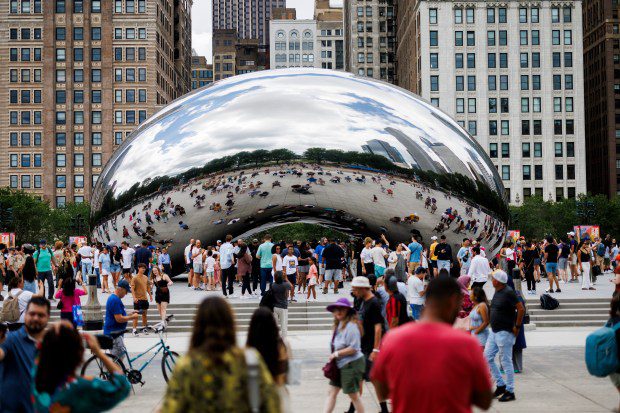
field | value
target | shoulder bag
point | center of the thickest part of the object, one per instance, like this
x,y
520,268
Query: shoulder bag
x,y
330,369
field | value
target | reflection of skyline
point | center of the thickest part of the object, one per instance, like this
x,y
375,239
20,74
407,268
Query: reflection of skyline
x,y
417,152
451,162
381,147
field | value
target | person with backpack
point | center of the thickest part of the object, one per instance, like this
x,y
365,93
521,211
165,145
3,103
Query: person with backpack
x,y
45,262
17,355
14,308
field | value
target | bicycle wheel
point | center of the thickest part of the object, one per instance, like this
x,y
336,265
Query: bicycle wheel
x,y
168,361
94,367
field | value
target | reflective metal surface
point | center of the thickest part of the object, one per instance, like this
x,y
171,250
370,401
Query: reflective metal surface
x,y
290,145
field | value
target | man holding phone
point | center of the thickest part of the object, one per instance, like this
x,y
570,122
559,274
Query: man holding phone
x,y
141,287
116,318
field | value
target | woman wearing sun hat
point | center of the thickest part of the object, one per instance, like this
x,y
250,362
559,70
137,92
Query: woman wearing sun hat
x,y
346,350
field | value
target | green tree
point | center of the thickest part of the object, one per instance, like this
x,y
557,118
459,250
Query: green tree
x,y
316,155
282,155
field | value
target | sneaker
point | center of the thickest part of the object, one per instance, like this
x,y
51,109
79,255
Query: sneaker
x,y
294,299
549,291
507,397
145,331
591,288
499,390
134,332
558,291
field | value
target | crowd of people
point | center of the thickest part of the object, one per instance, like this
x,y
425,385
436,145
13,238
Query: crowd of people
x,y
410,304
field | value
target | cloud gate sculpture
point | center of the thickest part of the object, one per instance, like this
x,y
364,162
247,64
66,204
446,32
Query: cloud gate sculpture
x,y
299,145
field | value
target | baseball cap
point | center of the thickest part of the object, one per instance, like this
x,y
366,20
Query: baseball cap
x,y
124,284
44,242
361,282
500,276
433,237
572,234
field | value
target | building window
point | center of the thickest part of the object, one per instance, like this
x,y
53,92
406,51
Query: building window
x,y
535,59
96,139
493,150
505,150
555,37
61,201
559,151
471,60
522,15
78,117
470,16
505,127
61,181
37,163
538,172
95,6
434,83
527,172
78,75
568,37
458,16
493,127
557,126
491,62
503,38
490,15
559,172
535,38
458,60
96,159
95,33
61,33
95,54
570,149
78,181
471,39
432,16
505,172
96,117
78,159
78,96
525,105
492,82
60,6
78,33
433,39
523,37
61,55
434,60
537,149
503,82
537,128
61,160
492,105
61,139
471,83
559,194
61,118
460,105
95,96
25,181
566,13
78,139
118,138
460,83
525,150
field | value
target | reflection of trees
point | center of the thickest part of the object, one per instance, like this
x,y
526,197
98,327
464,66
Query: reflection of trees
x,y
455,183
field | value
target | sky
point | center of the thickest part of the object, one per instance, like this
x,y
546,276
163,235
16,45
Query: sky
x,y
201,22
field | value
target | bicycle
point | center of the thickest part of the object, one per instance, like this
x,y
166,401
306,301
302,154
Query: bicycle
x,y
95,368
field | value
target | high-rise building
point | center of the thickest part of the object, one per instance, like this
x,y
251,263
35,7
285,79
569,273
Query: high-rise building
x,y
511,75
292,43
250,18
601,63
234,56
79,77
202,72
330,35
370,38
284,14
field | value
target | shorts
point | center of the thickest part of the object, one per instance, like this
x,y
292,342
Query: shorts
x,y
210,273
126,270
188,267
573,260
551,267
312,281
304,268
413,265
118,346
321,269
333,274
379,270
351,374
562,263
432,263
292,278
198,268
141,305
537,261
115,268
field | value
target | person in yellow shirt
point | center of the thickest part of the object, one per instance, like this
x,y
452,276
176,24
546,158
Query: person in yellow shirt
x,y
433,256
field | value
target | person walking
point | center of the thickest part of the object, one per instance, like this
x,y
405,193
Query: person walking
x,y
127,254
217,368
57,385
584,260
17,356
464,256
105,263
264,254
290,266
368,265
396,307
528,264
45,262
255,266
552,253
506,321
429,348
162,283
416,292
227,264
479,316
115,265
281,288
264,336
313,275
197,255
29,274
479,268
140,288
164,261
69,296
189,267
346,350
444,255
244,269
331,259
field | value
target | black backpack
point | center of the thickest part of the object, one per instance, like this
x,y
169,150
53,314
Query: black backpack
x,y
268,300
548,303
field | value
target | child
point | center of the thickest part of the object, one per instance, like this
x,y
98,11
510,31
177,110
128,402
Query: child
x,y
209,270
312,276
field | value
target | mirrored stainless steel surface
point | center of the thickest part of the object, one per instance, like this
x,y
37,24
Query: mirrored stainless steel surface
x,y
311,145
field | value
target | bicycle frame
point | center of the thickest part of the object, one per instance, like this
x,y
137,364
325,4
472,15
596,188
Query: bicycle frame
x,y
161,346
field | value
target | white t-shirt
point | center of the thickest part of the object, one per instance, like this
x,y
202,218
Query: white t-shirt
x,y
278,266
210,263
289,263
127,256
186,253
23,300
378,258
226,255
96,255
366,256
510,254
86,253
198,258
414,287
479,269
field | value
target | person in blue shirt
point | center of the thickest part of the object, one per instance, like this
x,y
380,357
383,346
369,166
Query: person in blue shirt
x,y
318,253
164,261
116,318
415,256
144,255
265,256
17,356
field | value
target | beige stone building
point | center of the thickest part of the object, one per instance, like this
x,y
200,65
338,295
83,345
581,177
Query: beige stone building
x,y
234,56
77,78
202,72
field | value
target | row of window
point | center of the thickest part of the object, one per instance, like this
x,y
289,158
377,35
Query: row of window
x,y
504,104
130,6
78,138
130,54
27,138
78,160
470,17
25,6
61,201
25,117
538,175
130,116
26,181
295,58
78,33
25,33
78,96
130,33
25,54
524,60
469,38
202,74
24,96
569,127
130,95
526,149
14,75
78,117
27,160
77,6
527,81
78,54
306,45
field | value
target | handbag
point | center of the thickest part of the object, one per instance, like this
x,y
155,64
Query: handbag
x,y
78,316
330,369
59,306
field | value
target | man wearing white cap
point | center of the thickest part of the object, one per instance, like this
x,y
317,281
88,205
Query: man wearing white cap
x,y
506,320
572,257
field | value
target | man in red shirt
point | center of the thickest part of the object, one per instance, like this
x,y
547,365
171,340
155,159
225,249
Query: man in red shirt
x,y
429,366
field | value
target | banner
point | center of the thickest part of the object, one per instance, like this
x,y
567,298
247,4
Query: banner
x,y
8,239
513,234
77,240
590,231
